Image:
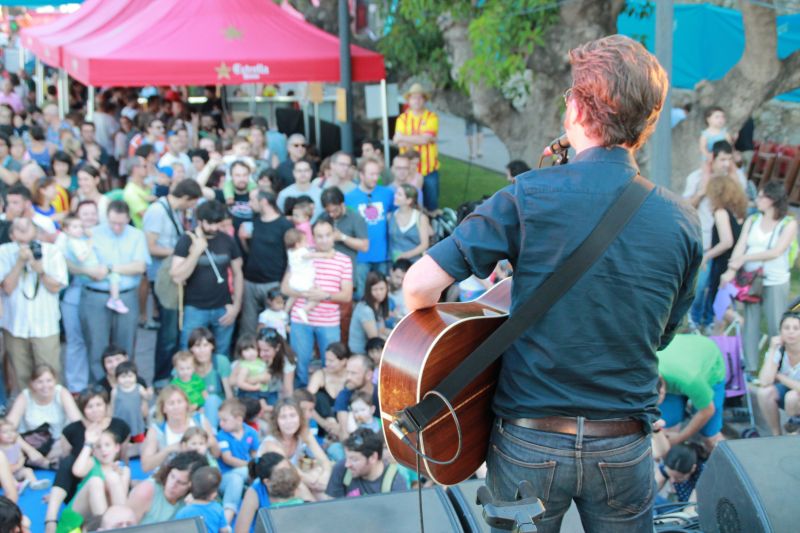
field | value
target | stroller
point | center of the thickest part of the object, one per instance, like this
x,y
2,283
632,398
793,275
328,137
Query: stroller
x,y
736,390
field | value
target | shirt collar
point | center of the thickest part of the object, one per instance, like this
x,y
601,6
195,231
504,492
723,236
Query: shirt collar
x,y
614,154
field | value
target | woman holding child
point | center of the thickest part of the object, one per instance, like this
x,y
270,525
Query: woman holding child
x,y
173,417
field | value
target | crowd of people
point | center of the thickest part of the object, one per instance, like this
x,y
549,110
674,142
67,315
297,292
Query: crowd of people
x,y
273,278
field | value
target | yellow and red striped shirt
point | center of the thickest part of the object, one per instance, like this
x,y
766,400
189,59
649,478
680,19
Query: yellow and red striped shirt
x,y
427,123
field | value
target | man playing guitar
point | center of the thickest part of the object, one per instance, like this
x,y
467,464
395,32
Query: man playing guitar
x,y
576,394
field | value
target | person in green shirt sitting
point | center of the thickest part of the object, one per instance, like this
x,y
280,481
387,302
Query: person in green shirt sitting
x,y
691,368
187,379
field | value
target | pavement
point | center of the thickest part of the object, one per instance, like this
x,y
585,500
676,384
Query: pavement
x,y
453,143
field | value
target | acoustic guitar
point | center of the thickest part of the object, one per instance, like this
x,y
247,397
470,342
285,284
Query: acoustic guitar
x,y
419,353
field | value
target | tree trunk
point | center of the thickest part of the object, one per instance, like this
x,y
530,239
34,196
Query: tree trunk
x,y
757,77
526,130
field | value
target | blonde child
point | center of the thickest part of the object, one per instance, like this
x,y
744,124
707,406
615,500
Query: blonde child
x,y
275,315
79,249
187,379
195,439
301,268
362,413
714,132
302,213
17,451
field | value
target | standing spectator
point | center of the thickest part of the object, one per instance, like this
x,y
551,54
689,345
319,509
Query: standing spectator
x,y
297,151
340,174
374,203
9,97
409,228
401,175
714,132
9,169
175,153
19,204
764,243
364,471
302,186
121,249
349,229
201,261
281,363
137,193
474,133
417,129
237,193
89,190
266,260
332,285
33,273
154,136
163,225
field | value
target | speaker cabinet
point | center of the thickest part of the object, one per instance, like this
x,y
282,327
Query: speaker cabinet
x,y
186,525
396,512
751,486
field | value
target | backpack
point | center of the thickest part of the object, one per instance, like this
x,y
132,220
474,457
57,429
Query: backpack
x,y
386,484
166,290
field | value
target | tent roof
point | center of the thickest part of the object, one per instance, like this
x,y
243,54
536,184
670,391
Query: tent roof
x,y
93,16
213,42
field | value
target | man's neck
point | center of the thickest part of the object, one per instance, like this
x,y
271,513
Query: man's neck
x,y
172,201
366,190
368,387
376,472
269,216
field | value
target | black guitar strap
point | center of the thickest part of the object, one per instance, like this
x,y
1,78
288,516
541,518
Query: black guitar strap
x,y
415,418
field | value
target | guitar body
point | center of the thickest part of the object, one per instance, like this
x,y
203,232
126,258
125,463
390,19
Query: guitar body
x,y
424,347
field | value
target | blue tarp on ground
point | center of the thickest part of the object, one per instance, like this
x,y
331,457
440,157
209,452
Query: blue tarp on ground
x,y
707,41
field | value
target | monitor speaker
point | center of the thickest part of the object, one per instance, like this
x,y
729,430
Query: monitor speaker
x,y
750,486
186,525
395,512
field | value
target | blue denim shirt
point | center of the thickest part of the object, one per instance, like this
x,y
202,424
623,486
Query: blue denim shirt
x,y
594,353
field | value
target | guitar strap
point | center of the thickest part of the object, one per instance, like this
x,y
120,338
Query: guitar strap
x,y
415,418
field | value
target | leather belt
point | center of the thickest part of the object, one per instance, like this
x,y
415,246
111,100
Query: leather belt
x,y
92,289
569,426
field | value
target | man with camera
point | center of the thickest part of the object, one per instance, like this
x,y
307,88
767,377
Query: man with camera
x,y
33,273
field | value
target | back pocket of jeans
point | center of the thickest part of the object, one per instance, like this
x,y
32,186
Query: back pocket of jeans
x,y
539,474
629,484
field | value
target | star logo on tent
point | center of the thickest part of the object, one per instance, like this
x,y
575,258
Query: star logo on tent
x,y
223,71
232,33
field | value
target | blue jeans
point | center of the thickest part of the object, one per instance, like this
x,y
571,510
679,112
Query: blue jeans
x,y
166,342
302,340
232,487
673,410
430,190
702,311
194,317
611,479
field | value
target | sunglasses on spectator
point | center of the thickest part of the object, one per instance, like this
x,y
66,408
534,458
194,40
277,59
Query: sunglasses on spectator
x,y
268,334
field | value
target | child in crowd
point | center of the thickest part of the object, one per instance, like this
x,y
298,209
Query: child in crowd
x,y
301,268
185,377
129,400
205,485
79,249
250,374
105,482
302,213
362,413
112,357
17,451
195,439
275,315
715,131
396,277
374,349
238,445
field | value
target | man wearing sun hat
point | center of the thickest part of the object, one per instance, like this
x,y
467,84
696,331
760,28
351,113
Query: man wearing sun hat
x,y
417,129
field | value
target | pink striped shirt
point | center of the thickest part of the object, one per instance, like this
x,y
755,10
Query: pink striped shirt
x,y
330,274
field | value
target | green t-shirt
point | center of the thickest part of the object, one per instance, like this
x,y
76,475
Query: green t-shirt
x,y
193,388
692,365
138,200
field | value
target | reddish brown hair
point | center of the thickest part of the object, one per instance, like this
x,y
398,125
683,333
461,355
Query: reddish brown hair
x,y
620,88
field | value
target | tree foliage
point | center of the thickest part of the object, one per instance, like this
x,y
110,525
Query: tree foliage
x,y
503,35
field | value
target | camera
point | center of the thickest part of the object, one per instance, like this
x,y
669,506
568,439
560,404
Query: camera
x,y
36,250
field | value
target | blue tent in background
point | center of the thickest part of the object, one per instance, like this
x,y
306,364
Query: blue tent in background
x,y
708,41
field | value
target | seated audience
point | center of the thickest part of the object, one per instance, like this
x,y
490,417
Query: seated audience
x,y
780,375
213,368
205,486
370,315
238,444
257,494
364,471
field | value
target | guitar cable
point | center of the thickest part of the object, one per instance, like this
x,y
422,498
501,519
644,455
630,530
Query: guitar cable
x,y
403,434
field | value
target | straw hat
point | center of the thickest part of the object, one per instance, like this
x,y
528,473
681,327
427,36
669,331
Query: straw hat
x,y
417,89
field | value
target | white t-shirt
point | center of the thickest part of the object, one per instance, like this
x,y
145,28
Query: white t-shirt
x,y
274,319
301,270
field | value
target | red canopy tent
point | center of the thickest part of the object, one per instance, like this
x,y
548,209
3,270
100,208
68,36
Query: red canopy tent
x,y
203,42
93,16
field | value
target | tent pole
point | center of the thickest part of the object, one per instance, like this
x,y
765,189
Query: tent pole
x,y
385,120
63,98
345,76
316,126
252,99
39,83
306,129
90,105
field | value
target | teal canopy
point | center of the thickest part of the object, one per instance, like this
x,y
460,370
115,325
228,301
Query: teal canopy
x,y
707,41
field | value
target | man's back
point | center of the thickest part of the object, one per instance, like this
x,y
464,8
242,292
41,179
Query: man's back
x,y
593,353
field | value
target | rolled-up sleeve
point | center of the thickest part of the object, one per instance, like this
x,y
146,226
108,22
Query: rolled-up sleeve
x,y
490,234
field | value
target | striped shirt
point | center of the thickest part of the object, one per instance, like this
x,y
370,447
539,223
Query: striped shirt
x,y
330,275
31,311
427,123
